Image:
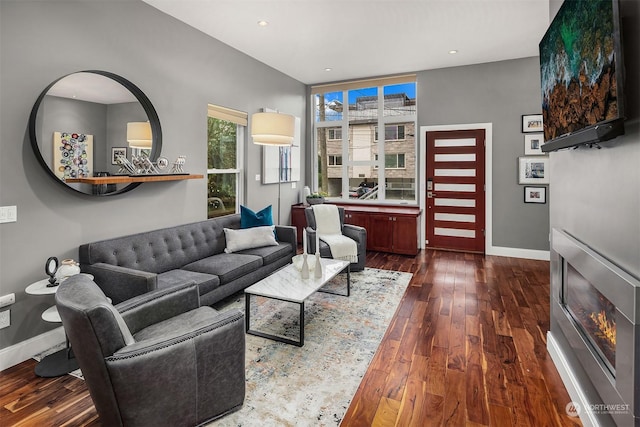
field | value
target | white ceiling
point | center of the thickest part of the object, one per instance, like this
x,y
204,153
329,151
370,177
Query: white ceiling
x,y
91,87
367,38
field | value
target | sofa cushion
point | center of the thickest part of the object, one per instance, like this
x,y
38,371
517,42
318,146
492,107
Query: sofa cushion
x,y
249,218
255,237
227,267
206,282
269,254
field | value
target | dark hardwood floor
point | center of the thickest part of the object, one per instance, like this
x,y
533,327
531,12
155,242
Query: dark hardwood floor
x,y
467,347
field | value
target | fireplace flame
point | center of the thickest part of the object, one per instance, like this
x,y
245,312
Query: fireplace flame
x,y
606,328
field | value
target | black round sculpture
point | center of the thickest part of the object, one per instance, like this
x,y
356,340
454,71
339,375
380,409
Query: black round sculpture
x,y
50,267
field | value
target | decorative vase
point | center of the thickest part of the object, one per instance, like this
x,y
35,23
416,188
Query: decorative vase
x,y
68,267
315,200
305,267
318,268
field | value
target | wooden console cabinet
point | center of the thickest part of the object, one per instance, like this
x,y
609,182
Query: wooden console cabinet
x,y
389,228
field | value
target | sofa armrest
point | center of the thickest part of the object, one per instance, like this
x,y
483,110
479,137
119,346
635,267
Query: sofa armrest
x,y
287,234
121,283
156,306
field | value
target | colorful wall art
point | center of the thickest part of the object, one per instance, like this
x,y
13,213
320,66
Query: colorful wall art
x,y
72,155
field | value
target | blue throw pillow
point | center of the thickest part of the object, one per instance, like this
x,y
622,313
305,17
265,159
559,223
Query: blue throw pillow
x,y
249,218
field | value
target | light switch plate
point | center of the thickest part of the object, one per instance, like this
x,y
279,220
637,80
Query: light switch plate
x,y
8,299
8,214
5,319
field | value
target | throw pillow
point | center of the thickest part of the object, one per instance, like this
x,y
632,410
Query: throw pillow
x,y
249,218
255,237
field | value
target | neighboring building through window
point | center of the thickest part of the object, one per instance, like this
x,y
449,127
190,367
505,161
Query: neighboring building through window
x,y
392,133
225,133
347,120
335,160
393,161
334,133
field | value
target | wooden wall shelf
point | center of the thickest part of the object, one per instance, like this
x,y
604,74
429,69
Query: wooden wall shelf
x,y
125,179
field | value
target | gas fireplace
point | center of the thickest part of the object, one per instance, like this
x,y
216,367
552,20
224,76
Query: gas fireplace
x,y
595,331
593,314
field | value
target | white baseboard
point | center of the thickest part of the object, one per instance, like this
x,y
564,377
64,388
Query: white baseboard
x,y
518,253
570,381
25,350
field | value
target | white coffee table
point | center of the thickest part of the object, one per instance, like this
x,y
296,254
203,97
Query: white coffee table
x,y
287,285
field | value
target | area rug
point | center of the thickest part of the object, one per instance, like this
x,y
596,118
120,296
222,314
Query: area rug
x,y
312,385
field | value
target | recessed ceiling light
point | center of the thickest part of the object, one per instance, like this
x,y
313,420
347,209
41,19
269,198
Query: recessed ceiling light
x,y
263,23
328,69
453,52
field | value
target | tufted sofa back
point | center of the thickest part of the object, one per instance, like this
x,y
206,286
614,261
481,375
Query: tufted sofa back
x,y
162,250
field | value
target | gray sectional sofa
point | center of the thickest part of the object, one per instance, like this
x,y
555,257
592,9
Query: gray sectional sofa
x,y
127,266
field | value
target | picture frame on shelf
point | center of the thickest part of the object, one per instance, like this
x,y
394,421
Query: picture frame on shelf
x,y
532,123
117,151
533,143
533,170
535,195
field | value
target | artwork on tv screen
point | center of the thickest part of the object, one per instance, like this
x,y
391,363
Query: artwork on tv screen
x,y
580,65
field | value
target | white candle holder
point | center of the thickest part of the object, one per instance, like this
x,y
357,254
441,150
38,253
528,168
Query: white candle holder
x,y
318,269
304,272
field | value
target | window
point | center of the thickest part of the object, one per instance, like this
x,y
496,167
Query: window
x,y
392,133
335,160
225,133
393,161
334,133
348,147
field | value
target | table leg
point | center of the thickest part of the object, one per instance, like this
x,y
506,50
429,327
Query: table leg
x,y
348,268
278,338
57,364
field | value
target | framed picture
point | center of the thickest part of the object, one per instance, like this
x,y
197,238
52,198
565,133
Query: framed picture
x,y
532,123
533,144
535,194
116,152
533,170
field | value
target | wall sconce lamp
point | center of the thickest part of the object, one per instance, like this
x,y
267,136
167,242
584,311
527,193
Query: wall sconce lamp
x,y
272,128
139,135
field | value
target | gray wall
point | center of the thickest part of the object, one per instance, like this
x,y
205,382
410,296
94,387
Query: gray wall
x,y
498,93
180,70
595,194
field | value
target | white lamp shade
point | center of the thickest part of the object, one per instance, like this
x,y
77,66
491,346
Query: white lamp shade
x,y
139,135
272,128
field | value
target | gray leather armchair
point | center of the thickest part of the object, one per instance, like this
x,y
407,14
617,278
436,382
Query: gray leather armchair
x,y
359,234
157,359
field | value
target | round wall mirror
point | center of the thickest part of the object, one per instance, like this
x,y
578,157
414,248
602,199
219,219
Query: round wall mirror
x,y
82,122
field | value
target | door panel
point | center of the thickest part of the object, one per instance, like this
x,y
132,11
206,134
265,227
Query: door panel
x,y
455,190
380,241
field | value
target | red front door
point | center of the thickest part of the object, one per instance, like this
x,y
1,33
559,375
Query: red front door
x,y
456,190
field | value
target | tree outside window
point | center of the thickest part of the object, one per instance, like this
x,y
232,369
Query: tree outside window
x,y
225,131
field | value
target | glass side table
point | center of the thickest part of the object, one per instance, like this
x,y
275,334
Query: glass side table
x,y
61,362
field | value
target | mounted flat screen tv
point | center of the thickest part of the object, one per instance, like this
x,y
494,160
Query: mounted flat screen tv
x,y
581,69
